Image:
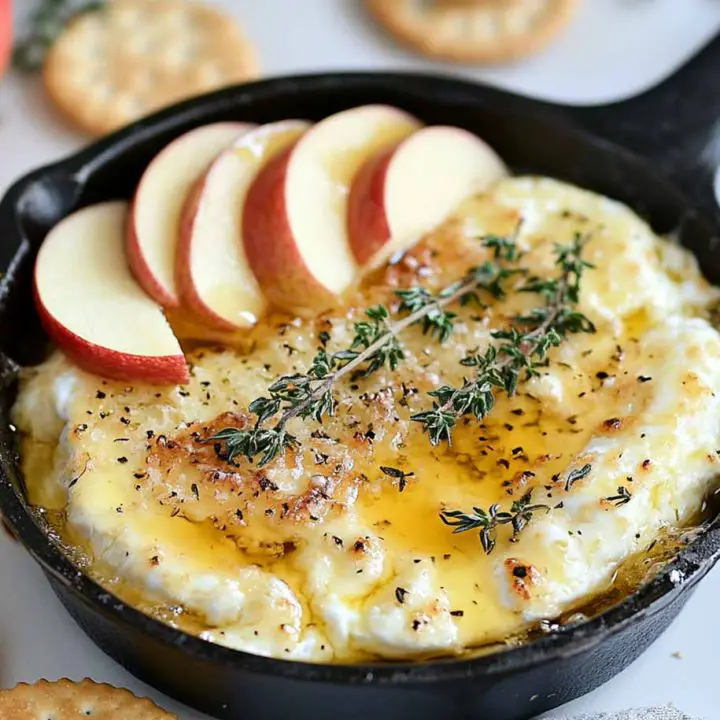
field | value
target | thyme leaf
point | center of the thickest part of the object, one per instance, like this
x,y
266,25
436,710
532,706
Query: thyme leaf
x,y
397,474
622,498
487,521
577,474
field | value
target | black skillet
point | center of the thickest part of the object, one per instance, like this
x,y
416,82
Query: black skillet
x,y
671,125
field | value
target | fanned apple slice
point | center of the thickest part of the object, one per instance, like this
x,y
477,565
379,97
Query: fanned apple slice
x,y
403,193
213,275
154,227
91,306
295,218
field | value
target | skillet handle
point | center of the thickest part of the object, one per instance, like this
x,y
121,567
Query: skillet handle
x,y
676,125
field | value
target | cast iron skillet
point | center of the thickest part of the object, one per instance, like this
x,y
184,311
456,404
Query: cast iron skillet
x,y
670,124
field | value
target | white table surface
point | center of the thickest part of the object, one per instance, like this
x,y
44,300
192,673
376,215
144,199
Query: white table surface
x,y
615,49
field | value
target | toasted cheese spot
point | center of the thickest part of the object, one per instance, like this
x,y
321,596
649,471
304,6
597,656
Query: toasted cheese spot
x,y
521,577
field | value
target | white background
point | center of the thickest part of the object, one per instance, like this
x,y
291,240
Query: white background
x,y
614,49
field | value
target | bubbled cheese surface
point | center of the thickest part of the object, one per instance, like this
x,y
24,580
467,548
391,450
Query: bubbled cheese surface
x,y
321,556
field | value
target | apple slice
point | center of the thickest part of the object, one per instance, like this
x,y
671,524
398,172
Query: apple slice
x,y
295,217
155,216
401,194
91,306
213,275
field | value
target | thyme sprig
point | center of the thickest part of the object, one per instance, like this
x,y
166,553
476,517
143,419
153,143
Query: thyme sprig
x,y
520,353
487,521
397,474
622,498
375,345
45,24
520,514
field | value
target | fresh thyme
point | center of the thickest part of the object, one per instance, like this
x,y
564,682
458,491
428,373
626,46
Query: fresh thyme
x,y
397,474
575,475
45,25
622,498
520,352
488,521
375,345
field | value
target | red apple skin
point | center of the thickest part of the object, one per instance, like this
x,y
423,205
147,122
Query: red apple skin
x,y
368,227
5,34
139,267
137,260
159,370
191,300
368,215
271,251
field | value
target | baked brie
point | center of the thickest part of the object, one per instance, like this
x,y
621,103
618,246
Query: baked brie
x,y
335,550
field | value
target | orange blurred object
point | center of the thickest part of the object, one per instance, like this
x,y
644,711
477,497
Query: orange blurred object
x,y
5,34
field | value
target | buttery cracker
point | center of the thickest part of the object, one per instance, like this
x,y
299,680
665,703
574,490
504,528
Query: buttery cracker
x,y
67,700
474,30
132,57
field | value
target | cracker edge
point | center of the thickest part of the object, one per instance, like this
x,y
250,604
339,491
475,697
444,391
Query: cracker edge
x,y
80,687
386,13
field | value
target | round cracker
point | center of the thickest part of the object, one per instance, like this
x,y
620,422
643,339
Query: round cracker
x,y
67,700
112,66
474,30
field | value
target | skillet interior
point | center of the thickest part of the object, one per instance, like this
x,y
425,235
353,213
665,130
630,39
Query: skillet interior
x,y
507,686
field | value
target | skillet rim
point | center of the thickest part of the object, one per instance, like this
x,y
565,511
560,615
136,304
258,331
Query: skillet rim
x,y
677,577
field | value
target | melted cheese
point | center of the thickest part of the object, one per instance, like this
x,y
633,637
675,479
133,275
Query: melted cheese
x,y
320,556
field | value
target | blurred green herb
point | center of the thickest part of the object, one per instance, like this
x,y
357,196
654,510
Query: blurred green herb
x,y
45,24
